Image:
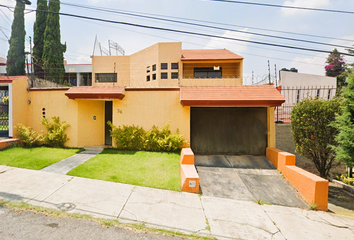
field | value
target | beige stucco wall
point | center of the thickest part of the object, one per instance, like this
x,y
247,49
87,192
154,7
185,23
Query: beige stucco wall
x,y
20,97
147,108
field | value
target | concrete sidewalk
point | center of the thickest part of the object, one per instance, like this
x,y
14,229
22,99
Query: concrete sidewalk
x,y
184,212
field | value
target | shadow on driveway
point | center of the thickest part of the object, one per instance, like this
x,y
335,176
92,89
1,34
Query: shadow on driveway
x,y
250,178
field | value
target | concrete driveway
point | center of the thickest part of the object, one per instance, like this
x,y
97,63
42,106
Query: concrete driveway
x,y
249,178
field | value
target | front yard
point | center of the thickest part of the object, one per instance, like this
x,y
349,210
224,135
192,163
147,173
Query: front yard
x,y
34,158
148,169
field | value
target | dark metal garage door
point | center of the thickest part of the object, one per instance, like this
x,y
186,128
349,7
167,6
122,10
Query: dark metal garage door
x,y
229,130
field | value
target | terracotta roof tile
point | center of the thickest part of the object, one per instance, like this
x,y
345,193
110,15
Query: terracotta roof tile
x,y
231,96
209,54
95,92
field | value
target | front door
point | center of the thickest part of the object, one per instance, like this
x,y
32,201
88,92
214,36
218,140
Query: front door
x,y
4,111
108,117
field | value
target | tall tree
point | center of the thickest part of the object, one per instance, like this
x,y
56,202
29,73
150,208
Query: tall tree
x,y
39,27
53,50
345,126
335,67
15,65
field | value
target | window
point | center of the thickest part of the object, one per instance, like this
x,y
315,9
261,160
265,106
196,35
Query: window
x,y
207,72
106,77
329,94
298,96
154,76
147,69
318,93
164,75
174,65
154,67
148,78
174,75
164,66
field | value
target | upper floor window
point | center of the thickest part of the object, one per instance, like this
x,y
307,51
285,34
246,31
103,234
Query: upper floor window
x,y
164,75
174,75
174,65
147,69
154,76
208,72
148,78
154,67
163,66
106,77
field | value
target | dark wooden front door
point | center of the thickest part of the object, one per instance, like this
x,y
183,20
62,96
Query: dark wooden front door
x,y
108,117
229,130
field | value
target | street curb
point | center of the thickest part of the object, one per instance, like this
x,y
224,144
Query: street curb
x,y
346,187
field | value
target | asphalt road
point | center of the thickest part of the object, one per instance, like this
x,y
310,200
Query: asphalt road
x,y
29,225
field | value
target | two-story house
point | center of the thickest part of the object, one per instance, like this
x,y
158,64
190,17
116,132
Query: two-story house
x,y
200,92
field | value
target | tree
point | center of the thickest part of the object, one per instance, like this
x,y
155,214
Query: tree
x,y
15,65
335,67
53,50
38,40
345,126
312,133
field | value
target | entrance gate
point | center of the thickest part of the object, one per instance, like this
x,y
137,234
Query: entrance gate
x,y
4,112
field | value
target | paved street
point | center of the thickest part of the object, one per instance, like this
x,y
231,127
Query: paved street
x,y
179,211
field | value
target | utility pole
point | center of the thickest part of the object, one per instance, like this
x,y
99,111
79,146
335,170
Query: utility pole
x,y
269,73
276,78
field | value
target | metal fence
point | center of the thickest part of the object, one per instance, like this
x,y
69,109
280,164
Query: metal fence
x,y
4,113
293,95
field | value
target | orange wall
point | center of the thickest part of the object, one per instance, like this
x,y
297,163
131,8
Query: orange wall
x,y
90,130
20,97
152,107
55,103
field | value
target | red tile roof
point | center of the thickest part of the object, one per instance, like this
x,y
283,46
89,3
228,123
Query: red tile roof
x,y
245,96
94,92
209,54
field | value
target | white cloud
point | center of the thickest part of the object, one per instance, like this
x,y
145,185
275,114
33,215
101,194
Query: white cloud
x,y
232,45
303,3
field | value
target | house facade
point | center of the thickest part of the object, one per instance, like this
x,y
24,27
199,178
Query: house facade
x,y
199,92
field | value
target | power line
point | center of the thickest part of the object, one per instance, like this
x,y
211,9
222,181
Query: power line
x,y
187,32
203,25
284,6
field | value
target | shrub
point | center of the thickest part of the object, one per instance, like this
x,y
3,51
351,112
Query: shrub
x,y
28,137
346,180
312,131
136,138
55,136
128,137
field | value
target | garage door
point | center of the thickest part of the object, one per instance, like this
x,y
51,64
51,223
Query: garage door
x,y
229,130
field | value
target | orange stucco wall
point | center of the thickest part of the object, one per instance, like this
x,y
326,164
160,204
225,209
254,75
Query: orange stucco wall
x,y
312,188
152,107
20,97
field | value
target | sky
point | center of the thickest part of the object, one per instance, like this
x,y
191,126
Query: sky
x,y
238,20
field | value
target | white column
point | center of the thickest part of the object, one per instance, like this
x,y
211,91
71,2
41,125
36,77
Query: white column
x,y
78,79
10,111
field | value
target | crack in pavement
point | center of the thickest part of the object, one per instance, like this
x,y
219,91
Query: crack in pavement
x,y
131,192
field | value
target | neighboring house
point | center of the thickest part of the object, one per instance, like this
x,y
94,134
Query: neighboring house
x,y
296,86
199,92
73,72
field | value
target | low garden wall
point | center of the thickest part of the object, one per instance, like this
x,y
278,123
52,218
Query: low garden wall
x,y
312,188
189,175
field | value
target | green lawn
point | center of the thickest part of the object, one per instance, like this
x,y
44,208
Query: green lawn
x,y
149,169
34,158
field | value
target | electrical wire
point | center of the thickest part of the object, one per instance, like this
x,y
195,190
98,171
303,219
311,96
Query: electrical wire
x,y
284,6
205,26
186,32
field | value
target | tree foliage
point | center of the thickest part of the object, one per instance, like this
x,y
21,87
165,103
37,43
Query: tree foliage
x,y
312,131
15,65
38,40
53,50
345,126
335,67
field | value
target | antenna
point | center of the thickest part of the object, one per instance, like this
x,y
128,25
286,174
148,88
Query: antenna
x,y
115,46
